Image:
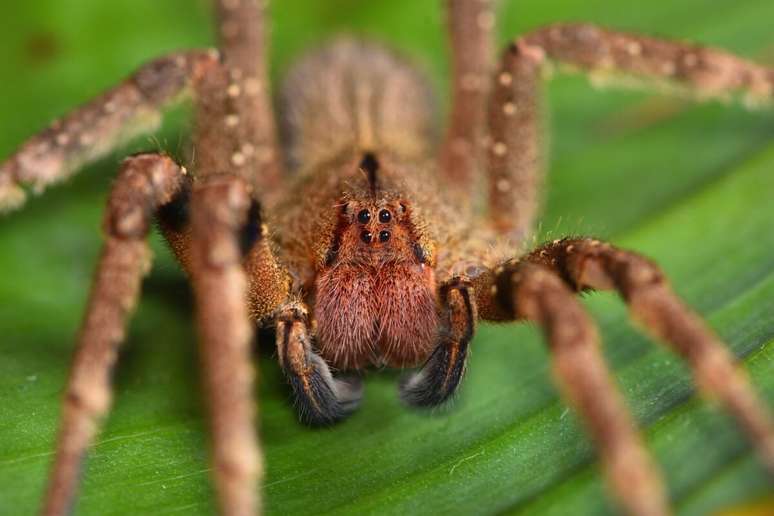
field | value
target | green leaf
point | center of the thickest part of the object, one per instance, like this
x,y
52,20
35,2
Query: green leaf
x,y
690,186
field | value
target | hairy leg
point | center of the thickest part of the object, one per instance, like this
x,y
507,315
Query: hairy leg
x,y
533,292
439,377
320,398
471,28
588,263
219,210
235,152
249,120
99,126
145,182
514,161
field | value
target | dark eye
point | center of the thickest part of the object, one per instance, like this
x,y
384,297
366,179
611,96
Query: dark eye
x,y
366,236
364,216
384,236
385,216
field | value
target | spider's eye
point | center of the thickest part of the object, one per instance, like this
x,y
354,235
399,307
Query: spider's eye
x,y
364,216
366,236
385,216
384,236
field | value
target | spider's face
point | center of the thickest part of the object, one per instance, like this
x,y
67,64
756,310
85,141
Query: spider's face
x,y
375,232
375,299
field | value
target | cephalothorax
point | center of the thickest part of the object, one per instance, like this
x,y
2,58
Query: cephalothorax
x,y
360,242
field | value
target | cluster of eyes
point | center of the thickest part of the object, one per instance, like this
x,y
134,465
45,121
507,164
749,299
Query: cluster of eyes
x,y
364,217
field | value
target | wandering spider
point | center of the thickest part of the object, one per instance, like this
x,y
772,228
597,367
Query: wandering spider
x,y
429,255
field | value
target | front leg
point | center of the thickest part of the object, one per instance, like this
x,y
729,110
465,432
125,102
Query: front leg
x,y
146,181
440,376
221,203
219,207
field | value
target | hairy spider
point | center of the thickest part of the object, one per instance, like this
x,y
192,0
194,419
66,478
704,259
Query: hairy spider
x,y
343,239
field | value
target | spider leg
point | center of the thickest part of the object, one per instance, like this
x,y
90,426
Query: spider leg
x,y
236,280
145,182
133,107
533,292
321,399
439,377
219,208
251,145
236,152
588,263
514,156
471,28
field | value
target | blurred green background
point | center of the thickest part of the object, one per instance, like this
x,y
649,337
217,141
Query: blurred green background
x,y
691,186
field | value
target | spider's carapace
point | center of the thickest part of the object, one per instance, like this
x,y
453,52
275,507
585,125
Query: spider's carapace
x,y
375,299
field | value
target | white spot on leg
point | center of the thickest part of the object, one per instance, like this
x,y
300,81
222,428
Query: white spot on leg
x,y
503,185
238,159
634,48
248,149
505,78
233,90
42,147
232,120
509,109
499,149
86,139
62,139
485,20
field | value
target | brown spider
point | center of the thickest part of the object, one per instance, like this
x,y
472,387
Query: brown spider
x,y
358,257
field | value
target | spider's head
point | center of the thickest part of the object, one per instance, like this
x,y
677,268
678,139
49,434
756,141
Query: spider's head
x,y
374,232
375,299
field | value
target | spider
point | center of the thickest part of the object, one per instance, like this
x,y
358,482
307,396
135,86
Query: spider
x,y
339,235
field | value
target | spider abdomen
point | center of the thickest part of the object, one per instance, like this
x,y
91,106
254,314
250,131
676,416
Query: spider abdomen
x,y
355,94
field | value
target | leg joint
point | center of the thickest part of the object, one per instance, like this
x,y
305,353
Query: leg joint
x,y
145,182
220,210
